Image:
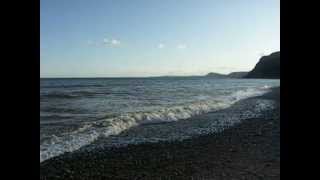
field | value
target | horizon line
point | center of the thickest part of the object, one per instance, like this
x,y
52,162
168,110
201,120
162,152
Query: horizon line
x,y
155,76
122,77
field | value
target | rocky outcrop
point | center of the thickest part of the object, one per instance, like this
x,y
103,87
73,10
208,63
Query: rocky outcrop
x,y
268,67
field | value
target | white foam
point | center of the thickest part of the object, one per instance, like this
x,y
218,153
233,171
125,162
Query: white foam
x,y
113,126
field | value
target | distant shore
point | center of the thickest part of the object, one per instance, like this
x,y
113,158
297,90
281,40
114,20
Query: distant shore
x,y
249,150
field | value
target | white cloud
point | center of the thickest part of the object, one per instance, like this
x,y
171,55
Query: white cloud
x,y
160,46
110,42
115,42
182,46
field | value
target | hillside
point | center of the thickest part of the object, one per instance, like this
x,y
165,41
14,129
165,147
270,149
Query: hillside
x,y
268,67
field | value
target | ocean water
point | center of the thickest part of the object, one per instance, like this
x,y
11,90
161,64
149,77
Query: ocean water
x,y
77,112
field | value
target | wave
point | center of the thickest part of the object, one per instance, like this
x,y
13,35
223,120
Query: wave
x,y
70,86
115,125
59,95
71,95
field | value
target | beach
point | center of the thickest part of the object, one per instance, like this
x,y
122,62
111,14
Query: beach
x,y
247,150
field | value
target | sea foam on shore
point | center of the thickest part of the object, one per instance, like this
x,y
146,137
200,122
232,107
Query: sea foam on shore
x,y
246,150
90,132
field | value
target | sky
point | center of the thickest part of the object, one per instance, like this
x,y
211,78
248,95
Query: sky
x,y
138,38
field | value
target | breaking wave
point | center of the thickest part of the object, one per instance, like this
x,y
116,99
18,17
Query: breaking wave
x,y
90,132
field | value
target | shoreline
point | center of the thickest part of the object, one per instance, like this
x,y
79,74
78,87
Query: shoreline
x,y
249,150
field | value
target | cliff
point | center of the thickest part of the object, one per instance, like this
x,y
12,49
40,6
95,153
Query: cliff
x,y
268,67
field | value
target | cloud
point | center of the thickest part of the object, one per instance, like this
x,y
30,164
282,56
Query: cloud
x,y
182,46
111,42
105,41
115,42
160,46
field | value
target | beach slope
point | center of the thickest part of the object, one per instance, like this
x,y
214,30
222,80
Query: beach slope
x,y
249,150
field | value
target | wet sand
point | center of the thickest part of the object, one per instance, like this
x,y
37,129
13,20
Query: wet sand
x,y
249,150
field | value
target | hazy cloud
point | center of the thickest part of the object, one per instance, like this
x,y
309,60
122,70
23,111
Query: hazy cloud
x,y
93,43
182,46
111,42
105,41
160,46
115,42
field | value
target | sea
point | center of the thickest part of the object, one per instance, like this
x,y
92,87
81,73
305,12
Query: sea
x,y
77,112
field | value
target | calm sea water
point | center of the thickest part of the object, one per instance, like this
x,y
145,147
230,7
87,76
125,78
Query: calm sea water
x,y
75,112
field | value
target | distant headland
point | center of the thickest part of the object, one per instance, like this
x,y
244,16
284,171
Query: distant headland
x,y
268,67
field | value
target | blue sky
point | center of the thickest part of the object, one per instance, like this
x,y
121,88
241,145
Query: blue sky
x,y
129,38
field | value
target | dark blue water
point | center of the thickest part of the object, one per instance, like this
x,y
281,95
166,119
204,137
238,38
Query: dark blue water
x,y
75,112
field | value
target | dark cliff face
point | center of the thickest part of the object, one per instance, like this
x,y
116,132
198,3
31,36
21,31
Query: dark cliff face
x,y
268,67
